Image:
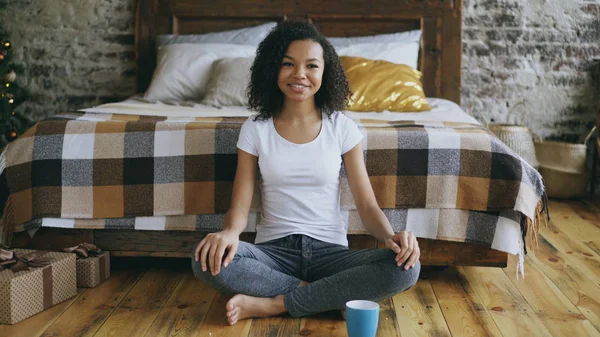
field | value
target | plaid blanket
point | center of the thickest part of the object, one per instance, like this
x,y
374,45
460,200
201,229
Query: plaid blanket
x,y
100,166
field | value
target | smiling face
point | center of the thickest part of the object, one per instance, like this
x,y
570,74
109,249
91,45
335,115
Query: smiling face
x,y
301,70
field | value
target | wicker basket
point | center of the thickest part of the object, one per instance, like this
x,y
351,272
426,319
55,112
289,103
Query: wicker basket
x,y
563,167
517,137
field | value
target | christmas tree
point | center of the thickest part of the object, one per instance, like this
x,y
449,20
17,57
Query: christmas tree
x,y
12,94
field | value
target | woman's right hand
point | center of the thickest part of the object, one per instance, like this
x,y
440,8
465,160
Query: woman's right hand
x,y
212,248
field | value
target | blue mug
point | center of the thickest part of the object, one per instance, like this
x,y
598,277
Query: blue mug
x,y
362,318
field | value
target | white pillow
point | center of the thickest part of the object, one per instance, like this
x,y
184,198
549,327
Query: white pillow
x,y
401,53
183,70
228,82
403,37
247,36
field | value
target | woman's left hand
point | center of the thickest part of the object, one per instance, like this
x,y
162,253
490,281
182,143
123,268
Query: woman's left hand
x,y
406,247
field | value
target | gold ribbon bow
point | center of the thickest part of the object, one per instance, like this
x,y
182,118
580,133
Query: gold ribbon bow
x,y
84,250
19,262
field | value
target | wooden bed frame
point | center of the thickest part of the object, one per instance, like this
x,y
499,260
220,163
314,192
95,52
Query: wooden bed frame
x,y
440,63
439,20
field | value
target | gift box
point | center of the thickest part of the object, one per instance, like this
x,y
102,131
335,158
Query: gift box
x,y
93,270
93,264
33,281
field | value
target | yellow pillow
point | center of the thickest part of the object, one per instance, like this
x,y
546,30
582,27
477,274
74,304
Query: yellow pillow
x,y
380,85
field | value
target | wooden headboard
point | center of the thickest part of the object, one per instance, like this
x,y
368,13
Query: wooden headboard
x,y
439,20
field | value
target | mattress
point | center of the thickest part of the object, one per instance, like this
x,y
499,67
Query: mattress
x,y
442,110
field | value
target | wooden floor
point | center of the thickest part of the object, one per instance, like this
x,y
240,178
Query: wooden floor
x,y
559,297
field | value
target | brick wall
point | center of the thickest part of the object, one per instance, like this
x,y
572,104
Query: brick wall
x,y
537,51
80,53
77,53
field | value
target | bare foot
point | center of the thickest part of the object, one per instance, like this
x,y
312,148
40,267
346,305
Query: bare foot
x,y
343,312
243,306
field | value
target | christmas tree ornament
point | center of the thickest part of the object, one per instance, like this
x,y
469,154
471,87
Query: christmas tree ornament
x,y
12,93
11,135
10,77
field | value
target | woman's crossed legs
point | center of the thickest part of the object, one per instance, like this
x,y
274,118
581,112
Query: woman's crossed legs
x,y
273,278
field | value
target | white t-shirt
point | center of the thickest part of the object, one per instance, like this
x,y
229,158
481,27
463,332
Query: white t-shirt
x,y
300,186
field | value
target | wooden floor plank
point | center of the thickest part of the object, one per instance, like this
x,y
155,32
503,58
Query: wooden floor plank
x,y
215,324
588,201
418,312
578,254
35,325
592,200
572,282
511,312
136,313
463,310
328,324
185,310
594,247
89,312
586,211
592,203
553,308
279,326
571,223
388,321
591,213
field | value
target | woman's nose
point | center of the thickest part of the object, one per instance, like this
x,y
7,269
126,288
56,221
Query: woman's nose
x,y
300,73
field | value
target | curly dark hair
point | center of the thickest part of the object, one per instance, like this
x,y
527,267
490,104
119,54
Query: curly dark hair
x,y
264,95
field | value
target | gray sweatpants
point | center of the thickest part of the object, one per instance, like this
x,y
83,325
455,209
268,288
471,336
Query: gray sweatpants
x,y
336,274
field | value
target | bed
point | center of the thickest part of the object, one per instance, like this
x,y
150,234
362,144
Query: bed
x,y
142,178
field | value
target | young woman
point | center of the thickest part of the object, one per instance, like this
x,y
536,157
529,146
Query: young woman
x,y
300,262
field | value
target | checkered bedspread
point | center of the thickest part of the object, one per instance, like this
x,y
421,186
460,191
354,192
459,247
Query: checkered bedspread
x,y
102,166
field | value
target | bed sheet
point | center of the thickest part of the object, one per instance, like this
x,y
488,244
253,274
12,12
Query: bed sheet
x,y
442,110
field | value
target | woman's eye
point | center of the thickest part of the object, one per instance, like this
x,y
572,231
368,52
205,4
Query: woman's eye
x,y
313,66
286,64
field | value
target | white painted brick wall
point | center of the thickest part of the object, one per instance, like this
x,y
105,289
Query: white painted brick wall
x,y
537,51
